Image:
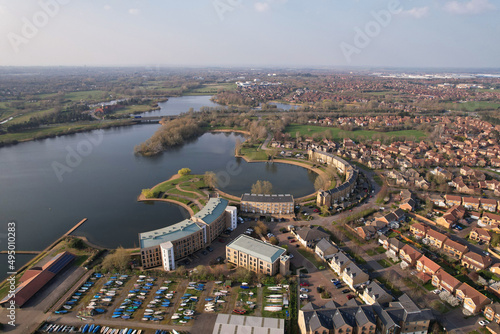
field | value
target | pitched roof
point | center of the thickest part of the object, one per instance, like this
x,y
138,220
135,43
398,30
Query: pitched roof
x,y
426,262
267,198
455,245
326,247
436,235
311,234
443,276
469,292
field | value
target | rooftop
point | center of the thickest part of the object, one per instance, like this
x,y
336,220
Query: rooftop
x,y
212,210
267,198
257,248
169,233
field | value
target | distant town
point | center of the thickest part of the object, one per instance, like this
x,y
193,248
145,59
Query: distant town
x,y
400,234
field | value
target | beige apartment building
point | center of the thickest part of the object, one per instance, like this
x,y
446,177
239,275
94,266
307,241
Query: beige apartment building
x,y
276,206
257,256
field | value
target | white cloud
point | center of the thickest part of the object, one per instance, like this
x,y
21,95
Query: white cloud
x,y
261,6
107,7
416,12
134,11
468,7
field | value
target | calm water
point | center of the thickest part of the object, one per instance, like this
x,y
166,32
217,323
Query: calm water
x,y
104,185
104,180
177,105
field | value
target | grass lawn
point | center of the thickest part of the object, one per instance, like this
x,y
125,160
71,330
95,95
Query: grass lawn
x,y
380,250
250,152
211,89
371,252
313,258
337,133
88,95
385,263
479,105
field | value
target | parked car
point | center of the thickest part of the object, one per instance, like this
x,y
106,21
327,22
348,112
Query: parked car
x,y
304,284
210,249
304,290
304,296
333,280
346,291
289,238
349,297
204,252
316,210
483,322
293,240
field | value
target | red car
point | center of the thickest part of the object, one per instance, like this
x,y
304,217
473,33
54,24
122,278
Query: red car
x,y
304,284
293,240
316,210
350,297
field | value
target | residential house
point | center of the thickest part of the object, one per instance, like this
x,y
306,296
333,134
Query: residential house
x,y
480,235
490,220
451,216
452,200
396,216
325,249
471,203
489,204
492,312
309,236
409,255
475,261
412,320
338,262
437,200
366,232
374,293
408,204
444,281
454,249
353,276
435,238
418,230
495,268
427,268
474,301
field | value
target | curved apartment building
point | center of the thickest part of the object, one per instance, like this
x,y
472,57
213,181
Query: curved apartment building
x,y
342,191
164,246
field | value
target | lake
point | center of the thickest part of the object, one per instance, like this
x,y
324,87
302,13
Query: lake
x,y
47,186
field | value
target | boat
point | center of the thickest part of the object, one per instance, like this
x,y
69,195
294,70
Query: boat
x,y
273,308
183,321
175,317
238,311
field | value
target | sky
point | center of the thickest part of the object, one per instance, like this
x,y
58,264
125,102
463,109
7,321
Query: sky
x,y
251,33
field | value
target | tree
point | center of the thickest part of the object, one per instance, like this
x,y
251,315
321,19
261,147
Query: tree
x,y
180,271
184,171
321,183
210,179
148,193
118,260
274,241
324,210
237,148
262,187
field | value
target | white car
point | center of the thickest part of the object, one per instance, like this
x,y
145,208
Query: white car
x,y
304,296
436,292
484,322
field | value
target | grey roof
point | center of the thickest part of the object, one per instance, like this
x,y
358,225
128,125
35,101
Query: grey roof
x,y
341,259
353,270
267,198
241,324
311,234
375,291
214,208
169,233
257,248
326,247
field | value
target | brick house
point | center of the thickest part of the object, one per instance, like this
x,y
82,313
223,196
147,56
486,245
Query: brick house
x,y
475,261
418,230
444,281
480,234
435,238
409,255
454,249
474,301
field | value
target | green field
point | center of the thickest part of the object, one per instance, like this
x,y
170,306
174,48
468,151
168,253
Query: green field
x,y
89,95
337,133
211,89
252,153
479,105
